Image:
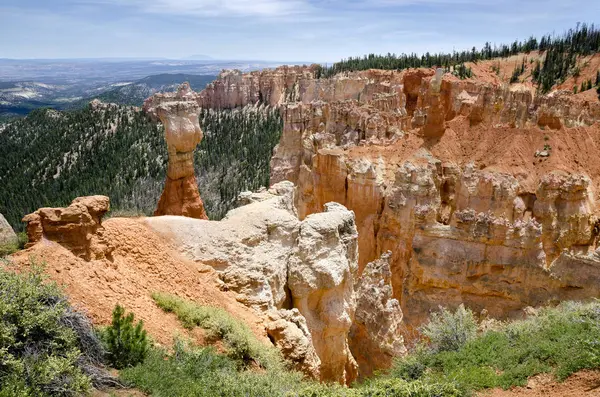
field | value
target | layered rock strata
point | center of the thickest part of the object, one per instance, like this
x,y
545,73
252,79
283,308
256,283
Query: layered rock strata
x,y
443,173
77,227
179,113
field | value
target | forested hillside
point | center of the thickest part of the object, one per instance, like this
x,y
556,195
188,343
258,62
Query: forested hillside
x,y
560,61
235,154
51,157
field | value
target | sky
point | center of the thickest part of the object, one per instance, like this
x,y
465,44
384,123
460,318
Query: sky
x,y
273,30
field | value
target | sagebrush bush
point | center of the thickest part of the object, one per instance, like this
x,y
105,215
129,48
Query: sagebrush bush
x,y
559,340
127,345
448,331
39,350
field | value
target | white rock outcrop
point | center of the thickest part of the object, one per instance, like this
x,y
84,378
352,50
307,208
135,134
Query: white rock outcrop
x,y
321,278
376,334
289,332
299,274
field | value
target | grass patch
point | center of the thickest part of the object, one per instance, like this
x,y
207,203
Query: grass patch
x,y
242,345
193,371
559,340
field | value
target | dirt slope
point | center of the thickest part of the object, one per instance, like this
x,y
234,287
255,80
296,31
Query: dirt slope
x,y
142,263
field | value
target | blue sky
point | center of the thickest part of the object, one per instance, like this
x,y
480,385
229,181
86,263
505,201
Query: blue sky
x,y
278,30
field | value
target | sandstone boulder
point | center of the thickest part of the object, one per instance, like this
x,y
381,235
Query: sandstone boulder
x,y
289,332
321,279
77,227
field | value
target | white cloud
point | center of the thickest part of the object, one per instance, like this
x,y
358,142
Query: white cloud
x,y
265,8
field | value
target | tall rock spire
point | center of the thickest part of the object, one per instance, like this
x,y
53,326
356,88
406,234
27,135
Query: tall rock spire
x,y
179,113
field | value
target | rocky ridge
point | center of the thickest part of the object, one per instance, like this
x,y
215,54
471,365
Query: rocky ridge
x,y
443,173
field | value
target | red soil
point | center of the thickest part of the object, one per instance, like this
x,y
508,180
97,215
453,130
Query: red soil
x,y
142,263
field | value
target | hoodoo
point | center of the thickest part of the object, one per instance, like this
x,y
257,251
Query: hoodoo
x,y
178,112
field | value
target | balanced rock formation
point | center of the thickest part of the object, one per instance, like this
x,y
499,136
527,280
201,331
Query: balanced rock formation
x,y
77,227
179,113
443,173
7,234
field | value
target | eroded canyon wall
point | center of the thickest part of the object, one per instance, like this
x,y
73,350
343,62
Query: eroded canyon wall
x,y
483,192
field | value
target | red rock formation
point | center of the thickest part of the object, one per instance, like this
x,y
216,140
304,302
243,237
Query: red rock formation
x,y
443,173
77,227
179,114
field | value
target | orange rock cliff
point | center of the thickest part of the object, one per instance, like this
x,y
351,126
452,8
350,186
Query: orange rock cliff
x,y
483,192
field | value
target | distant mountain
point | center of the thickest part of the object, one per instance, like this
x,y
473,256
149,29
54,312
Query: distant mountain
x,y
200,57
20,98
136,92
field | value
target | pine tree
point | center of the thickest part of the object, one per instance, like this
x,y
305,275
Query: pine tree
x,y
126,345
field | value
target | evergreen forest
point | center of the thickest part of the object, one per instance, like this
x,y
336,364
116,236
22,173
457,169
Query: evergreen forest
x,y
50,157
560,61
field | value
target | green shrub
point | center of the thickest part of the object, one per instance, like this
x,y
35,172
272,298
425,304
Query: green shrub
x,y
411,367
8,249
241,343
127,345
199,372
12,247
39,349
559,340
449,331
